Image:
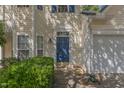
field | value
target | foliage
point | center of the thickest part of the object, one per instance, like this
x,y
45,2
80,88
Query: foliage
x,y
8,61
90,8
2,34
32,73
92,79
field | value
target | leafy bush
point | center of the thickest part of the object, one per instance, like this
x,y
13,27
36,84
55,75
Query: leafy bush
x,y
2,34
90,8
8,61
32,73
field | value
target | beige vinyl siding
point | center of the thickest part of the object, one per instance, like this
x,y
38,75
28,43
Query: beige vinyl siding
x,y
113,19
47,24
17,20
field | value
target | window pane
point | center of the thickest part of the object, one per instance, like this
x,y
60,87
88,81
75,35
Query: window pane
x,y
71,8
39,42
22,6
54,8
39,45
62,8
39,7
23,54
39,52
62,33
23,42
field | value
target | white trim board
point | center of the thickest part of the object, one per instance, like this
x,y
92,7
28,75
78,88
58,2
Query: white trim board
x,y
0,53
107,32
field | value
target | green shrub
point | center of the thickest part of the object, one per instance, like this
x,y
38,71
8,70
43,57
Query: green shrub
x,y
32,73
8,61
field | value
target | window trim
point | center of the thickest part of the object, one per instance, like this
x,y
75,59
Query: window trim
x,y
37,45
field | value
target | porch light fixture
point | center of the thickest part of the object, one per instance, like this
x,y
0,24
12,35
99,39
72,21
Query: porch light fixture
x,y
50,41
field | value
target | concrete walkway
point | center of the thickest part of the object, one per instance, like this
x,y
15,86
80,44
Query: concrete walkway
x,y
73,76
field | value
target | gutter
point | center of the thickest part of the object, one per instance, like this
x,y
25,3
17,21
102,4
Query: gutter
x,y
88,13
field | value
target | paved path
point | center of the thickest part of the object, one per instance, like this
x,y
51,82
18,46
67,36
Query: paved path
x,y
72,76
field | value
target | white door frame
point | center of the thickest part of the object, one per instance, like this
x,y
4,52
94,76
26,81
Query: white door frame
x,y
1,53
63,27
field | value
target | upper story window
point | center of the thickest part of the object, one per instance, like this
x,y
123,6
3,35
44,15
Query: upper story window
x,y
40,7
22,6
63,8
71,8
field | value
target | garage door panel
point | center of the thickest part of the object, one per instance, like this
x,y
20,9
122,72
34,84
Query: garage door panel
x,y
119,54
103,54
108,54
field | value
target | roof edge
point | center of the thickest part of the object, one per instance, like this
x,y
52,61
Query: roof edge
x,y
103,8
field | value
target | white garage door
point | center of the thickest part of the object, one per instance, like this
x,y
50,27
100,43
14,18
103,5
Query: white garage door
x,y
108,54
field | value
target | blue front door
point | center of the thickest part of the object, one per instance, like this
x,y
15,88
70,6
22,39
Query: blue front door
x,y
62,46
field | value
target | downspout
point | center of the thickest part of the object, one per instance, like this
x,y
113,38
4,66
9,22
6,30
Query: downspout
x,y
91,44
88,45
89,62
